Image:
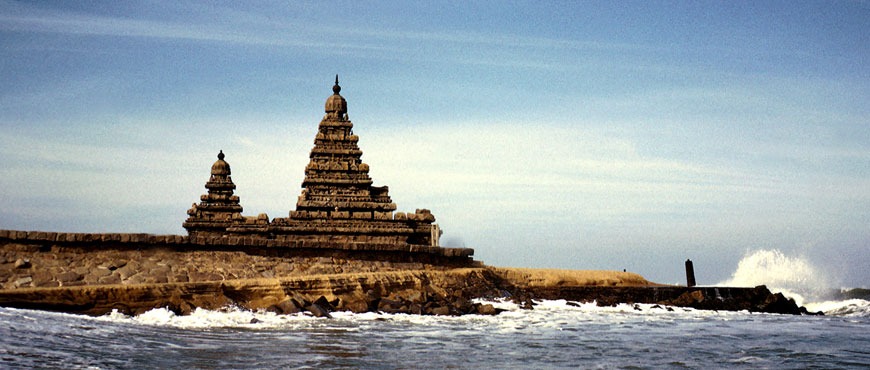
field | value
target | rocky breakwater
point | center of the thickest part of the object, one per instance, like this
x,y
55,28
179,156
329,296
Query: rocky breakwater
x,y
97,273
607,288
420,292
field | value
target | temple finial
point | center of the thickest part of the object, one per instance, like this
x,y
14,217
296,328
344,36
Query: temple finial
x,y
221,155
336,89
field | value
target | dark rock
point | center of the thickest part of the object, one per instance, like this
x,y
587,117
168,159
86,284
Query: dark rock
x,y
857,293
325,304
416,297
389,305
415,308
318,311
287,307
527,304
689,299
300,302
778,303
488,309
441,311
463,305
372,300
68,277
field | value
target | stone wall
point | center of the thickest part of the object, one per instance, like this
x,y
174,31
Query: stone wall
x,y
100,240
45,259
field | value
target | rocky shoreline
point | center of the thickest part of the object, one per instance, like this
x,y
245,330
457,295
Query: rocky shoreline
x,y
448,292
94,276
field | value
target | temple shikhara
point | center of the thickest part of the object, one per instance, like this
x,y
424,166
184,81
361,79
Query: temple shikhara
x,y
338,203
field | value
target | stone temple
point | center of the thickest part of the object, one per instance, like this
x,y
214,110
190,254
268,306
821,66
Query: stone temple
x,y
338,203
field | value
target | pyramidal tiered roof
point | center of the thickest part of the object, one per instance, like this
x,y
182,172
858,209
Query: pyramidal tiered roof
x,y
219,207
336,178
338,203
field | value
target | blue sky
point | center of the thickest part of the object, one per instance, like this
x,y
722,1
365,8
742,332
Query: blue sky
x,y
583,135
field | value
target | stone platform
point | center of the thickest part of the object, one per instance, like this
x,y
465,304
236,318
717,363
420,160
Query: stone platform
x,y
48,259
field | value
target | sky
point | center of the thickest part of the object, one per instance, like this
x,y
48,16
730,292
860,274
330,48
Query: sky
x,y
579,135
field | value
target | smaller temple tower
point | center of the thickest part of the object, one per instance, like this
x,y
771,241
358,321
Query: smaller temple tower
x,y
219,208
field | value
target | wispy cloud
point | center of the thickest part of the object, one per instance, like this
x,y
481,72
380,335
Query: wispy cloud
x,y
86,24
224,25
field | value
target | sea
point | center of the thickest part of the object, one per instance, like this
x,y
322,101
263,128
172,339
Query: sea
x,y
555,334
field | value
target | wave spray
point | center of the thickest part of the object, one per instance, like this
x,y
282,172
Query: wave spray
x,y
795,277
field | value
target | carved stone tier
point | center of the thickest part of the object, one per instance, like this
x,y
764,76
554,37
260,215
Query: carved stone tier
x,y
338,199
219,208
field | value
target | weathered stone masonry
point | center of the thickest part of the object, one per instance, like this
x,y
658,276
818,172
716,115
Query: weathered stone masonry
x,y
48,259
338,203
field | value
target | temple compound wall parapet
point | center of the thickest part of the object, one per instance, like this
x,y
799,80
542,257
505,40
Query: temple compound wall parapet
x,y
140,240
338,205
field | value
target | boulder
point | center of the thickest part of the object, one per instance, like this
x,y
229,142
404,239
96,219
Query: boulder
x,y
287,307
488,309
325,304
372,300
318,311
440,311
23,282
68,277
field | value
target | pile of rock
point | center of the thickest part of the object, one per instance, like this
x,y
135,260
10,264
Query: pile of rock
x,y
758,299
417,303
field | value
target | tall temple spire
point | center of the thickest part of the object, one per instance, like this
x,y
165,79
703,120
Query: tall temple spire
x,y
338,201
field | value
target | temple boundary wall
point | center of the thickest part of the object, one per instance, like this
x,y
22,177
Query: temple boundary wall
x,y
113,240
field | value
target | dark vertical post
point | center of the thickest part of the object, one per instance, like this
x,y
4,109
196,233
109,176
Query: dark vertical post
x,y
690,274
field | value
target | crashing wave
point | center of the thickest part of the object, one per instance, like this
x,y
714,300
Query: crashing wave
x,y
850,307
794,277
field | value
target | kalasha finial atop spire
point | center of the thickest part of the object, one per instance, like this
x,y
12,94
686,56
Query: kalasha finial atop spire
x,y
220,167
335,103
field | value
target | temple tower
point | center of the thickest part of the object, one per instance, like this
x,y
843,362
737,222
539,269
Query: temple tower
x,y
337,182
338,202
219,207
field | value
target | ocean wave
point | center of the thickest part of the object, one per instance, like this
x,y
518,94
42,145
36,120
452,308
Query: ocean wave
x,y
554,334
849,308
546,314
795,277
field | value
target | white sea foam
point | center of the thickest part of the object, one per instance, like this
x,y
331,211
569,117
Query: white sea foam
x,y
793,276
202,318
547,314
554,334
850,307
